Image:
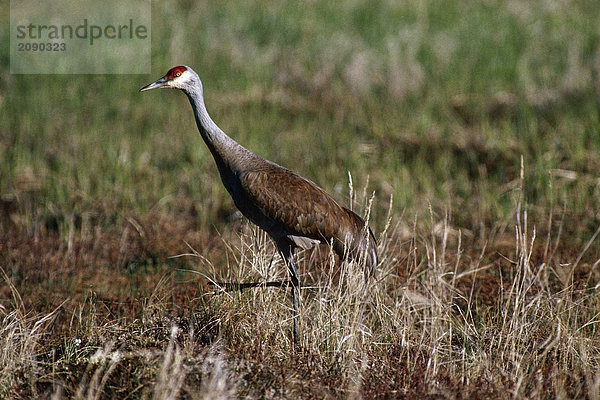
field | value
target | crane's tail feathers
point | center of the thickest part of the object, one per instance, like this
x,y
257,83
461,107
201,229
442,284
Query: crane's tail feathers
x,y
359,245
368,250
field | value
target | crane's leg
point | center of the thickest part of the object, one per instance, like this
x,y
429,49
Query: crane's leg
x,y
287,254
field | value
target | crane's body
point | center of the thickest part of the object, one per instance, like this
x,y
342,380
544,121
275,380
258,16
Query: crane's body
x,y
294,211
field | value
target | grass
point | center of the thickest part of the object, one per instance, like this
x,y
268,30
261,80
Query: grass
x,y
475,124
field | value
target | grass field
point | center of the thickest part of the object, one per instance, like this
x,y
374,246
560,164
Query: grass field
x,y
470,130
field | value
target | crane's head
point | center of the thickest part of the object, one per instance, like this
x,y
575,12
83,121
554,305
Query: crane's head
x,y
180,77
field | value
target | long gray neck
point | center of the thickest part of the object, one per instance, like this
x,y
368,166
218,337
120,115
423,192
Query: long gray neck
x,y
228,154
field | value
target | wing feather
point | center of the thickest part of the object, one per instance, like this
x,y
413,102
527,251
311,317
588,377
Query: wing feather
x,y
292,203
289,206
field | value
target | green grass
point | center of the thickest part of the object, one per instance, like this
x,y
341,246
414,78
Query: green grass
x,y
468,114
414,100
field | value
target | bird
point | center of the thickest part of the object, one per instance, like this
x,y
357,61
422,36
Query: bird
x,y
294,211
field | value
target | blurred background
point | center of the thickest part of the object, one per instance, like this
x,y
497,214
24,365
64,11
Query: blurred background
x,y
480,119
431,102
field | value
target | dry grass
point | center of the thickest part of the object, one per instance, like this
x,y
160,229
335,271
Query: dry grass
x,y
480,119
438,320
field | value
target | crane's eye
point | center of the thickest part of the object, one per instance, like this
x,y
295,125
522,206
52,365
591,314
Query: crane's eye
x,y
177,74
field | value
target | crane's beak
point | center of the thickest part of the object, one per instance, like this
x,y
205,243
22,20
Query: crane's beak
x,y
161,83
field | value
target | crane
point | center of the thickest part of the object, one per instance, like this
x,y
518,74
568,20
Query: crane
x,y
294,211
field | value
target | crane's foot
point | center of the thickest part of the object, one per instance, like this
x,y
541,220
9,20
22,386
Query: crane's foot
x,y
239,286
296,343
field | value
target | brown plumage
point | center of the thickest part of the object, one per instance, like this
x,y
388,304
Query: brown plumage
x,y
294,211
291,208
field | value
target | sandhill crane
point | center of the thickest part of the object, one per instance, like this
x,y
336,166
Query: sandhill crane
x,y
294,211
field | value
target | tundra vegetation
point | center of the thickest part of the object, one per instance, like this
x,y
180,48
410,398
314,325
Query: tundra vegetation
x,y
468,133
